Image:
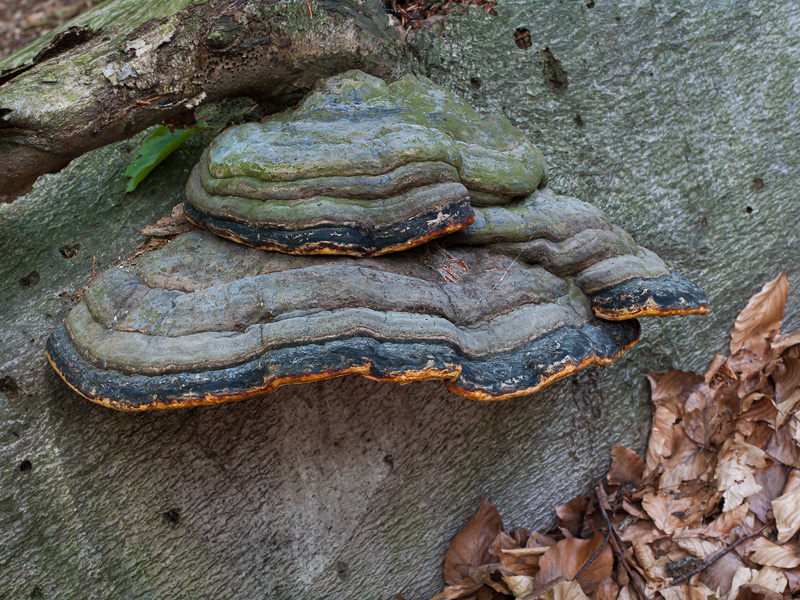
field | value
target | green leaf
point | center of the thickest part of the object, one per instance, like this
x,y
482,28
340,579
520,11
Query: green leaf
x,y
158,146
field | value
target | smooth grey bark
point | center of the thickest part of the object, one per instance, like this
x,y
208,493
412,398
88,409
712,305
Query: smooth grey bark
x,y
351,488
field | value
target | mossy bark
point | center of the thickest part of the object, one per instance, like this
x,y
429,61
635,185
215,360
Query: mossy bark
x,y
133,64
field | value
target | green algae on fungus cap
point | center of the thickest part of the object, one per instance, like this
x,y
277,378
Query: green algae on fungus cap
x,y
575,240
167,330
360,167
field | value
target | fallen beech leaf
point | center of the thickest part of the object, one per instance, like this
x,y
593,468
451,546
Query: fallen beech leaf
x,y
687,462
783,448
563,590
641,531
174,224
626,594
695,545
721,526
513,559
769,578
786,340
769,554
661,433
763,314
750,591
719,575
671,389
569,555
787,388
793,575
686,591
737,465
520,585
626,466
716,364
605,590
454,592
570,515
772,482
787,514
470,547
669,513
792,481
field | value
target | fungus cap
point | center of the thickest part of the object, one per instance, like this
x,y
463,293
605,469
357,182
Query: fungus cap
x,y
167,330
361,168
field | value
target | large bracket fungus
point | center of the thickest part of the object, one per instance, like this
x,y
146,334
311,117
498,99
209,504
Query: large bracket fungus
x,y
169,330
539,286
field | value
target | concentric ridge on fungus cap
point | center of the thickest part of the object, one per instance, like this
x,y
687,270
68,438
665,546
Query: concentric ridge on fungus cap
x,y
361,168
169,330
575,240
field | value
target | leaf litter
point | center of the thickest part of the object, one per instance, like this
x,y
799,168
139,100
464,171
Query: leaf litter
x,y
712,511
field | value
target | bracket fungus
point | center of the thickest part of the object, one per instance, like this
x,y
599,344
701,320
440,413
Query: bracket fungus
x,y
537,287
168,330
361,167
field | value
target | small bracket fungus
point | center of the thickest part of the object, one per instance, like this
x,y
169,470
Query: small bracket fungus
x,y
527,287
361,168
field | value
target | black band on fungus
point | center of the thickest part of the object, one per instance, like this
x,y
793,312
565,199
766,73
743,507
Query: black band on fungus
x,y
670,294
521,371
352,240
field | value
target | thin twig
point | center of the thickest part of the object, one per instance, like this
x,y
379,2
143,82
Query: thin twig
x,y
310,14
601,498
716,556
595,555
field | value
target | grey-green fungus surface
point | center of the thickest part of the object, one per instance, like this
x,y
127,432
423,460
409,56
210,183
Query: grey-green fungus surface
x,y
529,286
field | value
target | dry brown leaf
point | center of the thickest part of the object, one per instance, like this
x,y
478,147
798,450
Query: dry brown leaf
x,y
570,515
515,560
719,575
769,578
783,448
659,446
735,471
668,512
787,388
625,593
569,555
721,526
713,369
769,554
786,509
671,389
521,586
792,481
563,590
626,466
686,591
641,531
454,592
605,590
687,462
772,482
763,314
793,575
785,341
695,545
470,547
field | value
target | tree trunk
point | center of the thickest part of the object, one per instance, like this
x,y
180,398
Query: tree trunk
x,y
127,65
